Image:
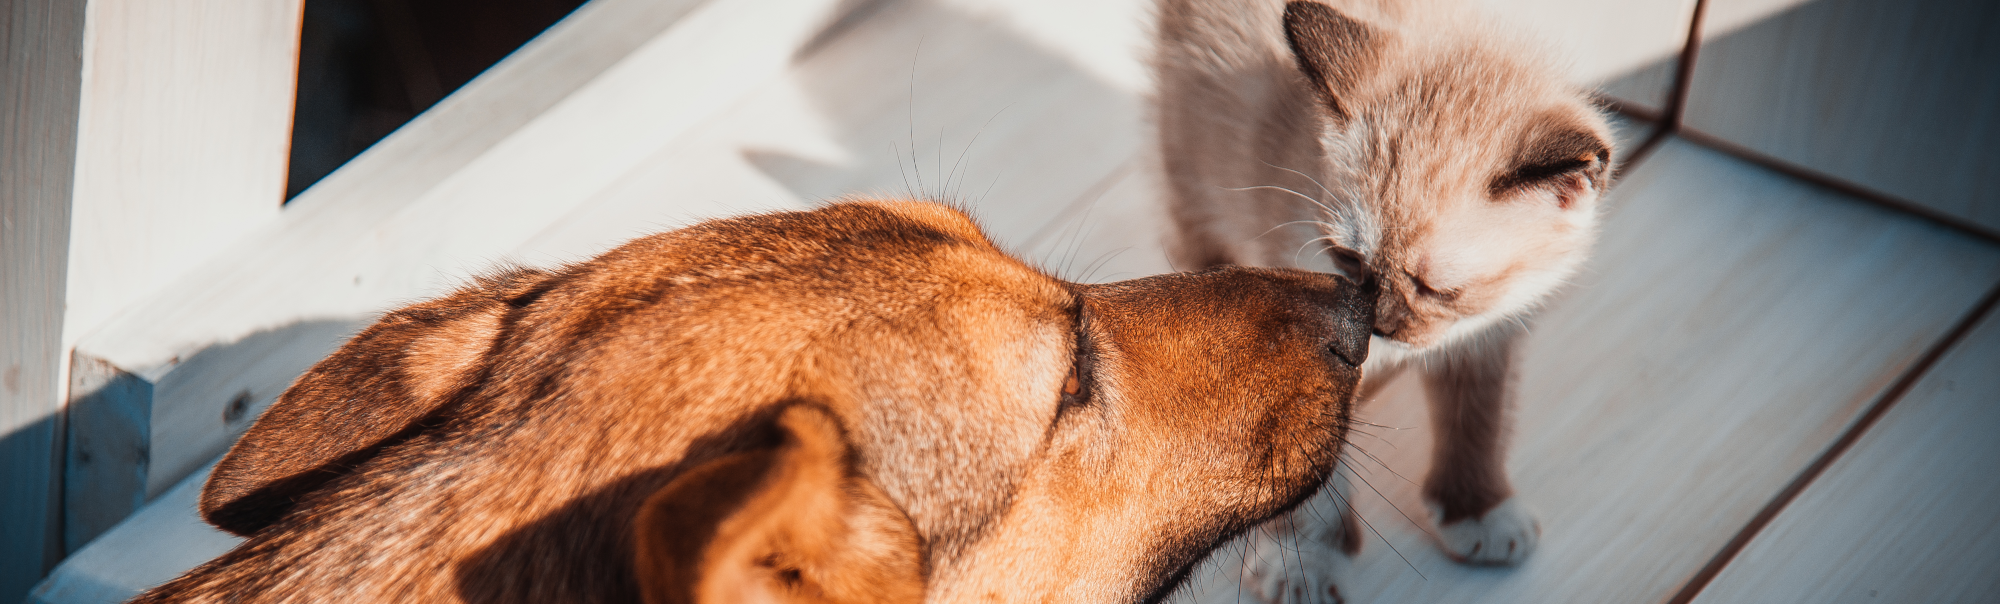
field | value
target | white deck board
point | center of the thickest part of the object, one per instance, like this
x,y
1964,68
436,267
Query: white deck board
x,y
1732,325
151,547
1907,515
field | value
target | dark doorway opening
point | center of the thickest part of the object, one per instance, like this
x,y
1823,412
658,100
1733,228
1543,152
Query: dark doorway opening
x,y
366,67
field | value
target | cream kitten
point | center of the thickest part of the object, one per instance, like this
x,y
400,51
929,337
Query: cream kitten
x,y
1403,142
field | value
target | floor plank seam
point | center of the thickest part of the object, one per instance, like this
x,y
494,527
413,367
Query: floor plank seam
x,y
1839,185
1670,122
1684,72
1812,471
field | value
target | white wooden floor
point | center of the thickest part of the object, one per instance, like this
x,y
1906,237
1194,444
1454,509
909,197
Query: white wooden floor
x,y
1733,326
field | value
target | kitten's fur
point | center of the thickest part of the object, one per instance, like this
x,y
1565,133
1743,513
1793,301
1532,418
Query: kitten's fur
x,y
1403,141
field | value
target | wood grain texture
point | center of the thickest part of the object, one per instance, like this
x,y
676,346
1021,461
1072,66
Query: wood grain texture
x,y
41,69
181,144
1891,95
185,116
1907,515
1732,325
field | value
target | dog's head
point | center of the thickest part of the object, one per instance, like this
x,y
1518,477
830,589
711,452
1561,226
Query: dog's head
x,y
866,402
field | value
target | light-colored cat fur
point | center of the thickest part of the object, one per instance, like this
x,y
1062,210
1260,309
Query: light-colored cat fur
x,y
1411,141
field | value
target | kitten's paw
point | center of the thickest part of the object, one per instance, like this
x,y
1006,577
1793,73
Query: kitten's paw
x,y
1503,537
1277,571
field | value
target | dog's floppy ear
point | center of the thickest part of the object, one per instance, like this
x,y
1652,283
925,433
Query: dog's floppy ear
x,y
373,392
786,524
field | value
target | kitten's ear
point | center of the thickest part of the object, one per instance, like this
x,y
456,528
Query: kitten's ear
x,y
373,392
781,525
1334,50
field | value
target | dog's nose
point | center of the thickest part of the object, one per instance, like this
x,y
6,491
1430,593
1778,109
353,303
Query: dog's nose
x,y
1354,320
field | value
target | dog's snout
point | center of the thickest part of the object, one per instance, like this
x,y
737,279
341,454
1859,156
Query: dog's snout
x,y
1354,321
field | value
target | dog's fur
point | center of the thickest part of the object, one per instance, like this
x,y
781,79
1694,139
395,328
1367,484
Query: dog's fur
x,y
867,402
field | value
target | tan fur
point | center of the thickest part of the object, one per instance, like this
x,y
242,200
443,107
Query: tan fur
x,y
863,403
1411,142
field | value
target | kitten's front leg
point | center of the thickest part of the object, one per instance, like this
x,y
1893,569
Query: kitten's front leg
x,y
1471,392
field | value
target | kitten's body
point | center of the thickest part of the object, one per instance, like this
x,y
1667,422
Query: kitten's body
x,y
1402,141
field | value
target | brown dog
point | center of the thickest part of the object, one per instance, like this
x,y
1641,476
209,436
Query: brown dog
x,y
863,403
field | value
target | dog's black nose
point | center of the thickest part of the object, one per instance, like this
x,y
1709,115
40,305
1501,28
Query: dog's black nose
x,y
1354,320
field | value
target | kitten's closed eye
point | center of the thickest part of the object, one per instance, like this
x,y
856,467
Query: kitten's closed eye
x,y
1350,262
1425,289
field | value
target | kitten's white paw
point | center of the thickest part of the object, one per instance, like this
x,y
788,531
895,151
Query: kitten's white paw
x,y
1504,536
1278,571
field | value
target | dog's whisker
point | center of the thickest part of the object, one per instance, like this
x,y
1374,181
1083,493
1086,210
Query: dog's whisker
x,y
1399,509
1369,423
1384,464
1378,535
1090,274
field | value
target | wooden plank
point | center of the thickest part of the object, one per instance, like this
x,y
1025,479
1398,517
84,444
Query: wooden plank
x,y
1893,96
184,122
153,546
224,340
41,69
1904,516
186,118
1732,324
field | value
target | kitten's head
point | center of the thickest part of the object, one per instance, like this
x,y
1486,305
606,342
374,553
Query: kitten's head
x,y
1465,173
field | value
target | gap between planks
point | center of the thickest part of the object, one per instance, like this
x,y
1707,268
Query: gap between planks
x,y
1833,452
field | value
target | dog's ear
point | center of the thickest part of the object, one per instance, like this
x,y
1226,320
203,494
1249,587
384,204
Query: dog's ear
x,y
375,391
787,524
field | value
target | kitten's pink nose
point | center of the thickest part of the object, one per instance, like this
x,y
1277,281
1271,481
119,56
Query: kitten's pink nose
x,y
1390,317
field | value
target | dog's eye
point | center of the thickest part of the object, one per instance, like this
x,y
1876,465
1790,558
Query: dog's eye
x,y
1076,384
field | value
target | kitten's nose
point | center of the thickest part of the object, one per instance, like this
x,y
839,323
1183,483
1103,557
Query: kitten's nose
x,y
1389,318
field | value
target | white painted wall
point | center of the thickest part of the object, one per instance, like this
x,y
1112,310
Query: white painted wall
x,y
185,120
140,137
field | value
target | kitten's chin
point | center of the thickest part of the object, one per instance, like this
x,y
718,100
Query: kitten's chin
x,y
1385,352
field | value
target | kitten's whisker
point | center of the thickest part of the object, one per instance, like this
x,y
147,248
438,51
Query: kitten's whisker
x,y
1308,177
1282,225
1278,188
